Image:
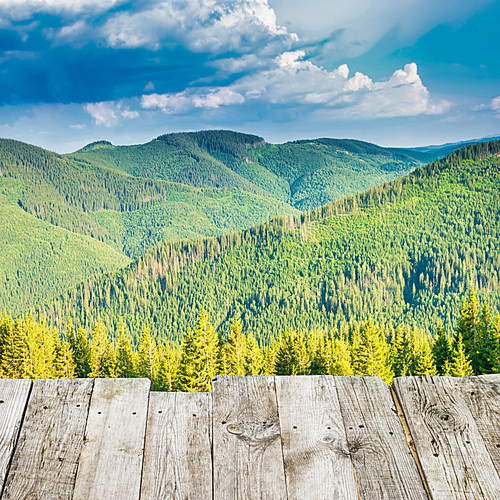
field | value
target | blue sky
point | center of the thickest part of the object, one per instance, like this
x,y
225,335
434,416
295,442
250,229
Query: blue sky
x,y
393,72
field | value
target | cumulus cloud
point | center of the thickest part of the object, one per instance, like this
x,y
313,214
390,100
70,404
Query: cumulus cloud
x,y
199,25
293,81
109,113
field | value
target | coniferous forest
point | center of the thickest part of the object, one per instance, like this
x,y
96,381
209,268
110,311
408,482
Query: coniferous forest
x,y
399,280
404,252
31,349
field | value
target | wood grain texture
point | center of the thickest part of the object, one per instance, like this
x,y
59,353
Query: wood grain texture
x,y
384,466
13,400
482,396
247,454
45,461
178,453
111,459
317,460
453,455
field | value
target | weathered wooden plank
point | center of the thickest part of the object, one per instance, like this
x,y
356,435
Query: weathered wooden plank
x,y
482,396
178,453
247,455
317,461
111,459
450,448
13,400
46,457
385,468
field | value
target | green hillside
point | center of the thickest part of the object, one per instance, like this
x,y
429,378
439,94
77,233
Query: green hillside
x,y
39,260
404,251
305,174
62,221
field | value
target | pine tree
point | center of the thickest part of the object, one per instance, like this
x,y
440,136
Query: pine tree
x,y
487,342
80,347
167,378
254,357
65,365
234,352
124,355
206,343
370,356
403,352
12,348
460,363
102,362
187,375
292,357
441,351
424,361
468,327
148,359
492,350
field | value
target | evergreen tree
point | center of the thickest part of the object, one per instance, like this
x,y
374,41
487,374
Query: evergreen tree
x,y
234,352
370,357
187,374
292,357
206,344
148,359
491,351
169,367
441,351
102,362
424,361
80,348
487,341
460,363
403,352
254,357
124,355
468,328
12,348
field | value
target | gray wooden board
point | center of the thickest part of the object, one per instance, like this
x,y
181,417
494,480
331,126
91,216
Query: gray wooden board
x,y
111,459
45,460
13,399
385,468
247,454
178,453
317,461
453,455
482,395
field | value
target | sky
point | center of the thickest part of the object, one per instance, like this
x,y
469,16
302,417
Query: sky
x,y
393,72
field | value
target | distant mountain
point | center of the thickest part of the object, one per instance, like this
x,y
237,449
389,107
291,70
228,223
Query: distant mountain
x,y
445,149
304,174
405,251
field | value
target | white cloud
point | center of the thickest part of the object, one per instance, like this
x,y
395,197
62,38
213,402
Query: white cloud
x,y
18,10
200,25
292,81
78,126
495,104
108,113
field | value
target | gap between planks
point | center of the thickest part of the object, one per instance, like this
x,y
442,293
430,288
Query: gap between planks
x,y
409,439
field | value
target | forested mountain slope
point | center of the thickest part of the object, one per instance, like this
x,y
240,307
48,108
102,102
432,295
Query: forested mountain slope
x,y
63,221
305,174
404,251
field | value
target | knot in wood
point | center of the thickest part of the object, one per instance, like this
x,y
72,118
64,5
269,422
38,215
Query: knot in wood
x,y
446,418
254,432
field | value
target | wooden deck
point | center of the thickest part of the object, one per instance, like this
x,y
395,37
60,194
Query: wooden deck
x,y
273,438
